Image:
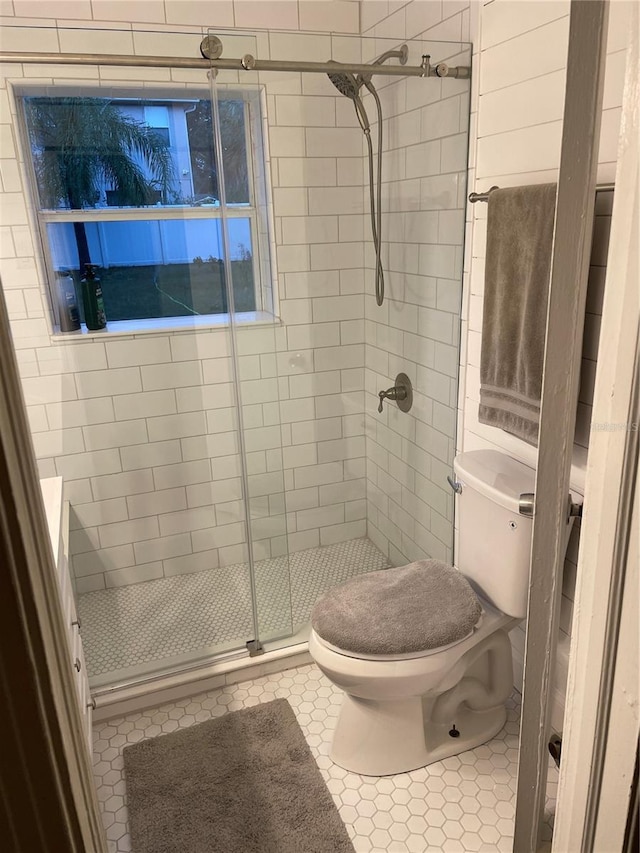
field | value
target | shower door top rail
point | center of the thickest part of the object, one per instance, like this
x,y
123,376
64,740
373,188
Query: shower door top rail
x,y
245,63
49,58
425,69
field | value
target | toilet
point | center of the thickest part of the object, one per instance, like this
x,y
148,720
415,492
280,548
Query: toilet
x,y
422,652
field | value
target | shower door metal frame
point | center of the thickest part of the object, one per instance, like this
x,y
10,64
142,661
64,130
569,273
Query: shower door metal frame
x,y
253,644
561,378
246,63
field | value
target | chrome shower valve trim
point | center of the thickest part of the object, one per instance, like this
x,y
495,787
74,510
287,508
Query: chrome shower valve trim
x,y
401,393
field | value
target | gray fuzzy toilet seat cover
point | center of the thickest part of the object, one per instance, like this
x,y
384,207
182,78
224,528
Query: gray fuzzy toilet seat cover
x,y
413,608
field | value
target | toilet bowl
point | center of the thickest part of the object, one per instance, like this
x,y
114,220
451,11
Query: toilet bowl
x,y
404,713
415,694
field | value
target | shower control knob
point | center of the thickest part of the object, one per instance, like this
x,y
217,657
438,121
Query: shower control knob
x,y
401,393
442,69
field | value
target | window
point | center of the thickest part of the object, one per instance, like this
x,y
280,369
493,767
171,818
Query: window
x,y
131,185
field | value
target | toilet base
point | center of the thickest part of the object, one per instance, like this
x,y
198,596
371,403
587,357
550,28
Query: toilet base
x,y
384,738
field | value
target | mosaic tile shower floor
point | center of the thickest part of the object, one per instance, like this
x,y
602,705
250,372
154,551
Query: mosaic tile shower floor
x,y
136,624
464,803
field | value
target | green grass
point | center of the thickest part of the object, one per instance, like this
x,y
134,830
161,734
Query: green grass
x,y
175,290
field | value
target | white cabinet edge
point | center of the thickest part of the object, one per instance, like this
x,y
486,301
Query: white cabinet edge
x,y
52,495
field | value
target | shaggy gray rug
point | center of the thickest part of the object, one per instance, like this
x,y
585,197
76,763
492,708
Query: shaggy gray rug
x,y
243,783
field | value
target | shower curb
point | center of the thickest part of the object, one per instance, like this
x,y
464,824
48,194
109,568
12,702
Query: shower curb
x,y
127,699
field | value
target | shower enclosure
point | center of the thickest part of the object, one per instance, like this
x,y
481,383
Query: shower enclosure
x,y
248,468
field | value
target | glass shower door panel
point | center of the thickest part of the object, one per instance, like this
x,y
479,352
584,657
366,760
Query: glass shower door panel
x,y
255,344
158,538
362,489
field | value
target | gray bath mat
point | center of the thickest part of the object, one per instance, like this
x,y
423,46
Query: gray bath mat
x,y
243,783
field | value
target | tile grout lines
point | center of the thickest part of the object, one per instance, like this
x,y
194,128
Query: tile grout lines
x,y
140,623
465,803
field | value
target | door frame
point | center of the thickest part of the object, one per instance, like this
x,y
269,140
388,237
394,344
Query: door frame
x,y
560,385
602,720
47,792
46,782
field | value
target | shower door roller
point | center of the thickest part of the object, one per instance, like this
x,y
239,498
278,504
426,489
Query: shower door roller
x,y
255,648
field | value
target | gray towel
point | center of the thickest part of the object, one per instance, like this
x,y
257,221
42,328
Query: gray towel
x,y
519,242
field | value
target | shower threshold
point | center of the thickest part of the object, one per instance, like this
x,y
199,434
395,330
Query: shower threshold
x,y
138,633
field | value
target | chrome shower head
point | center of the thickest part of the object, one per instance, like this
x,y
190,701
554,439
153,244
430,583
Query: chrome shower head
x,y
350,86
345,83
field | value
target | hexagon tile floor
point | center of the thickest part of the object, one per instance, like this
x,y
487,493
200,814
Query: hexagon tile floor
x,y
462,804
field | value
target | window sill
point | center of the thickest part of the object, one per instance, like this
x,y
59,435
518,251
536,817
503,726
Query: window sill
x,y
158,325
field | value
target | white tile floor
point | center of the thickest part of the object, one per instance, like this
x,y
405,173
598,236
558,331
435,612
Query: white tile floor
x,y
465,803
132,625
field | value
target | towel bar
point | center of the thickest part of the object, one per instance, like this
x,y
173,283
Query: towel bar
x,y
474,197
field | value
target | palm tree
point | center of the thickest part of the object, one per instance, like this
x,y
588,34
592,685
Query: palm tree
x,y
82,145
203,160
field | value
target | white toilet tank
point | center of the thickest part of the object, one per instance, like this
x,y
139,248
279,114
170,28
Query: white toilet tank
x,y
494,540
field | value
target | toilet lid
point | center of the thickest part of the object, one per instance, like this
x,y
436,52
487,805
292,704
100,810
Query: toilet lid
x,y
425,605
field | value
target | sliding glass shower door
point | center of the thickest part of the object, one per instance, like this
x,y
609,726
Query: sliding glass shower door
x,y
334,486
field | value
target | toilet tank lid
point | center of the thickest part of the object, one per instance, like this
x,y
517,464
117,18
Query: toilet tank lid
x,y
495,475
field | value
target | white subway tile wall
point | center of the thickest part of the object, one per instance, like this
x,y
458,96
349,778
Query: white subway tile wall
x,y
416,331
516,122
144,429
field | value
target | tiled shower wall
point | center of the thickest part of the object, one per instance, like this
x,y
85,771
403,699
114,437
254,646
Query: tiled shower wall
x,y
143,428
417,329
316,151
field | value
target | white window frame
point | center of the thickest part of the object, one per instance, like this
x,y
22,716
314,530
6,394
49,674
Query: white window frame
x,y
254,113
